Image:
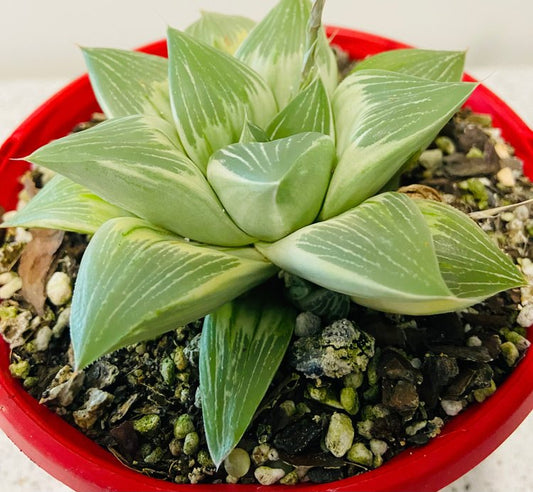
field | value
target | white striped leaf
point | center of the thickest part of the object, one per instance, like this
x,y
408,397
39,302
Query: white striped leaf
x,y
211,94
470,262
381,253
272,188
309,111
443,66
136,282
241,348
221,31
127,82
136,163
65,205
382,119
276,47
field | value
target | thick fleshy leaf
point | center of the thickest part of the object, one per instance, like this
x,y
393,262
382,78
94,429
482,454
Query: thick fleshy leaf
x,y
276,47
241,348
443,66
470,263
67,206
252,133
271,189
136,282
136,164
309,111
221,31
127,82
381,253
212,93
382,119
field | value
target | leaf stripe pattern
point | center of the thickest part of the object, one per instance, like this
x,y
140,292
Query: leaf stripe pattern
x,y
469,261
128,82
212,94
65,205
158,277
136,164
442,66
241,348
382,119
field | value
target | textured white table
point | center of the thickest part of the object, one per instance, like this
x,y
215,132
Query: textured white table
x,y
508,469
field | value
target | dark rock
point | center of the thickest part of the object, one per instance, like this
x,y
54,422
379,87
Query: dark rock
x,y
298,437
400,396
440,369
324,475
472,136
493,345
458,165
393,365
444,329
126,438
387,428
460,384
475,354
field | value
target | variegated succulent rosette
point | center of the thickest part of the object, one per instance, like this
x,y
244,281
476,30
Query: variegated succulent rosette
x,y
242,155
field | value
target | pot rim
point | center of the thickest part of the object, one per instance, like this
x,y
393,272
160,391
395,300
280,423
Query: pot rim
x,y
74,459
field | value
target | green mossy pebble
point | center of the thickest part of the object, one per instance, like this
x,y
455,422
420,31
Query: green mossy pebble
x,y
20,370
175,446
204,459
290,479
510,353
482,394
445,144
360,454
155,456
147,424
180,359
191,443
183,426
350,400
237,463
339,437
167,369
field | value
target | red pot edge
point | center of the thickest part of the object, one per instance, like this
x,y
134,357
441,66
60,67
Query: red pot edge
x,y
430,459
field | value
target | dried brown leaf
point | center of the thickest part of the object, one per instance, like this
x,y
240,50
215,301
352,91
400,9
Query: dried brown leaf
x,y
36,265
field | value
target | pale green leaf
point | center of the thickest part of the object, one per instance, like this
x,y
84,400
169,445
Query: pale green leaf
x,y
136,282
65,205
380,253
382,119
222,31
136,163
276,47
127,82
212,93
241,348
443,66
271,189
309,111
470,263
252,133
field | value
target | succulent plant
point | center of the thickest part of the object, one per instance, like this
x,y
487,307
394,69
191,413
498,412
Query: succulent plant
x,y
240,156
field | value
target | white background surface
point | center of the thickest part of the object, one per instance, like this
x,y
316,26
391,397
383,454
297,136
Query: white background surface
x,y
40,38
38,54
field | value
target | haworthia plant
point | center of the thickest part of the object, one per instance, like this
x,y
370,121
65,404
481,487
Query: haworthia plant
x,y
215,171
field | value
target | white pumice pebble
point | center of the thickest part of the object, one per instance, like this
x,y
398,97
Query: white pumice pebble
x,y
8,290
42,338
521,212
7,277
59,288
268,476
506,177
525,317
451,407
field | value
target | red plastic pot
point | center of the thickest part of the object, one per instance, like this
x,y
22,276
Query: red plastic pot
x,y
72,458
